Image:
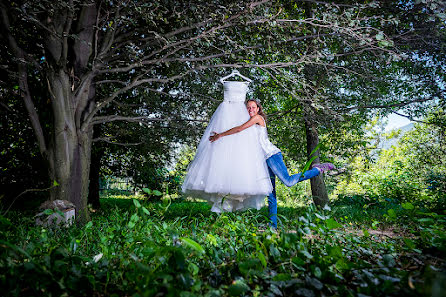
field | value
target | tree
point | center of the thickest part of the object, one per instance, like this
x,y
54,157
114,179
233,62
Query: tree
x,y
82,46
93,58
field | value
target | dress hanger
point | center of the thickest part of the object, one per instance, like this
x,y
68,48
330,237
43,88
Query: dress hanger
x,y
234,73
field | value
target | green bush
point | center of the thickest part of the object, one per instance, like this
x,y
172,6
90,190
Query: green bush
x,y
181,249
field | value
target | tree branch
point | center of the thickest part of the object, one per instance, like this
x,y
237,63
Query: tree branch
x,y
140,119
401,104
23,84
109,140
66,30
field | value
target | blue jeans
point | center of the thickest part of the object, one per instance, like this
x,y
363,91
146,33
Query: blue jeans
x,y
276,167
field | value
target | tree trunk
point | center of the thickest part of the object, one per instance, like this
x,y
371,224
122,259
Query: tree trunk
x,y
70,147
318,190
95,167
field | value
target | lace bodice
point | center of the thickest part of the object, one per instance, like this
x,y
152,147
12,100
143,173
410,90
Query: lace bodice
x,y
235,91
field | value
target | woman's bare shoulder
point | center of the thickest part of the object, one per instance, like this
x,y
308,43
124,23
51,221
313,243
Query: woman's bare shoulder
x,y
260,120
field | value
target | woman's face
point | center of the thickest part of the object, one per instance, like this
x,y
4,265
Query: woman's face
x,y
253,109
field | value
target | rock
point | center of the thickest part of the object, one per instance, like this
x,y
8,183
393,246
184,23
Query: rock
x,y
56,213
57,204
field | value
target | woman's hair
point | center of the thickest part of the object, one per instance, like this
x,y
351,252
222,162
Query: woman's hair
x,y
259,106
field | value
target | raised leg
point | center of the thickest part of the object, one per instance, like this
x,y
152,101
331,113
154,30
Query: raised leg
x,y
277,166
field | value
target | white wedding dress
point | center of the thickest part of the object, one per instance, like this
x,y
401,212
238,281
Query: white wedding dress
x,y
230,173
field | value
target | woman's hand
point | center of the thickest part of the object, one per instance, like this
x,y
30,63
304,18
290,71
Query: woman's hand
x,y
215,136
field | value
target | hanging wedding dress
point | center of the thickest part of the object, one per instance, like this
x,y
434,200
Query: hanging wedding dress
x,y
231,174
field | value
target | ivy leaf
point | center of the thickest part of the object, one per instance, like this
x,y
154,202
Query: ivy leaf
x,y
314,282
332,224
193,245
391,213
137,204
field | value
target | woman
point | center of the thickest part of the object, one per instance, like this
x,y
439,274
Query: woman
x,y
273,156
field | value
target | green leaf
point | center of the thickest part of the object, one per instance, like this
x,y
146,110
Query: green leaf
x,y
391,213
409,242
314,282
298,261
262,258
55,183
332,224
282,277
147,191
251,266
137,204
4,221
193,245
48,212
335,252
426,220
146,211
407,205
238,288
307,254
379,36
385,43
317,272
341,265
157,193
308,164
389,260
193,269
315,149
89,225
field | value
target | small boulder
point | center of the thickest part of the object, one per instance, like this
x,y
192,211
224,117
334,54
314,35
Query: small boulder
x,y
56,213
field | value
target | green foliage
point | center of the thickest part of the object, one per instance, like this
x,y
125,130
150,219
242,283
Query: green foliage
x,y
410,172
149,249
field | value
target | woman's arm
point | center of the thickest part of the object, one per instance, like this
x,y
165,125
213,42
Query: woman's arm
x,y
252,121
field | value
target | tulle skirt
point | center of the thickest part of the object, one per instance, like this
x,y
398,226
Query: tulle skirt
x,y
230,173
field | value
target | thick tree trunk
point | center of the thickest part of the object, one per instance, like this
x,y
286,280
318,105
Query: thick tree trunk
x,y
70,147
318,189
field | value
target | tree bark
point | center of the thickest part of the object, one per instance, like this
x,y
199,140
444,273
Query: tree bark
x,y
70,146
95,167
318,189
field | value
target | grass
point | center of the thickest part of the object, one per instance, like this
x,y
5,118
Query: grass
x,y
179,248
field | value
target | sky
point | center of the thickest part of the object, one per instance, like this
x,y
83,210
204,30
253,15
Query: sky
x,y
396,121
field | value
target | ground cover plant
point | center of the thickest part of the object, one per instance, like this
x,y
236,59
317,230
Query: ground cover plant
x,y
137,248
